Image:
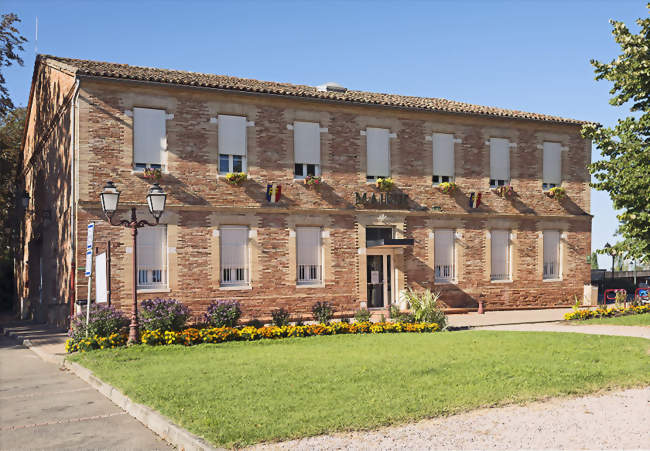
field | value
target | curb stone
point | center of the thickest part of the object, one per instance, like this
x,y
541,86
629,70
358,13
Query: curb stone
x,y
155,421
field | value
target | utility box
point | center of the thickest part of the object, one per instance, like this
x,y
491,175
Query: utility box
x,y
590,296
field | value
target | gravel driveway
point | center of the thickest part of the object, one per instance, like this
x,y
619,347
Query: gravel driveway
x,y
612,420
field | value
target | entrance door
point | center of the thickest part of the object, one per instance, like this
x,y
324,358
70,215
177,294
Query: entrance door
x,y
379,280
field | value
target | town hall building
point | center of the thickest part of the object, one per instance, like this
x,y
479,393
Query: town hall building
x,y
348,196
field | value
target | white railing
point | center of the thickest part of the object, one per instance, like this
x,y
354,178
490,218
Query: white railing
x,y
500,277
233,275
152,277
444,273
551,270
309,274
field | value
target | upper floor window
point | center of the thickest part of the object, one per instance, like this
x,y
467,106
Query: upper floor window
x,y
309,253
306,147
234,255
232,144
377,153
149,138
551,254
443,158
443,255
152,257
500,253
499,162
552,165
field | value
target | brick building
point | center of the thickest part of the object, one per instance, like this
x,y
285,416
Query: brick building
x,y
343,241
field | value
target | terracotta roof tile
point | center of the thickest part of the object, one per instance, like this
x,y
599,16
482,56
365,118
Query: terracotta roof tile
x,y
125,71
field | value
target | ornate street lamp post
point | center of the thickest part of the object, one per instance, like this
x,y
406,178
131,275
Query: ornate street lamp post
x,y
156,199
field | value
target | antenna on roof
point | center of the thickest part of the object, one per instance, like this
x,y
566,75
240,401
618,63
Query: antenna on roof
x,y
36,38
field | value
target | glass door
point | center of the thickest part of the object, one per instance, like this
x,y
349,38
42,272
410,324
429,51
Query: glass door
x,y
379,280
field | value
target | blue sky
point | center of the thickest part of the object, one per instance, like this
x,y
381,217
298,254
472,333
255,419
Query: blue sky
x,y
528,55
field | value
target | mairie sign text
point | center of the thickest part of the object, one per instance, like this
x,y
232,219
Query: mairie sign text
x,y
395,200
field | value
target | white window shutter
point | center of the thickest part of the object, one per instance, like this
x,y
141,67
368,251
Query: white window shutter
x,y
234,247
443,241
552,171
232,135
378,152
149,135
499,159
499,250
551,253
308,245
306,142
443,154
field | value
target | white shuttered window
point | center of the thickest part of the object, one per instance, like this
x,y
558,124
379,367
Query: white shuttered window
x,y
149,137
234,255
499,162
552,165
309,255
443,254
232,143
551,254
500,251
152,257
306,147
378,153
443,157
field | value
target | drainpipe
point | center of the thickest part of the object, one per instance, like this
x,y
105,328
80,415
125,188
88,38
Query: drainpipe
x,y
73,201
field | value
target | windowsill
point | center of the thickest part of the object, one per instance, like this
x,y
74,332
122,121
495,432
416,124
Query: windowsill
x,y
501,281
445,282
136,172
235,287
310,285
153,290
559,279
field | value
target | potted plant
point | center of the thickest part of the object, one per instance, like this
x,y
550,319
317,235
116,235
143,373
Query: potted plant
x,y
558,193
152,174
447,187
505,191
236,178
385,183
313,180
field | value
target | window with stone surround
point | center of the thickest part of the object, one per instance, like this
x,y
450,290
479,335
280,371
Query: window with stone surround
x,y
234,255
306,148
232,143
152,258
552,165
499,162
443,255
309,255
443,158
551,254
149,138
377,153
500,255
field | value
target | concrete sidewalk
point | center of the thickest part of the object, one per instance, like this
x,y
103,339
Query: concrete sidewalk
x,y
496,318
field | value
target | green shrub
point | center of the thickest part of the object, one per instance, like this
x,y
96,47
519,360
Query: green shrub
x,y
323,312
256,323
280,317
425,308
362,316
223,314
104,321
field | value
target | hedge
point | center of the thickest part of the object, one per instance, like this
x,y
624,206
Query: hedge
x,y
604,312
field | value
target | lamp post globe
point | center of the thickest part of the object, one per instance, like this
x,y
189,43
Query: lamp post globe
x,y
110,198
156,200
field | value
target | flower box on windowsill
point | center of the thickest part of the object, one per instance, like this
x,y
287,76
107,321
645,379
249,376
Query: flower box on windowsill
x,y
557,192
313,180
385,184
236,178
447,187
153,175
505,191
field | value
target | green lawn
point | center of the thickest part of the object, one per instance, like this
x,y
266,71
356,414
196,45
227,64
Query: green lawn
x,y
629,320
241,393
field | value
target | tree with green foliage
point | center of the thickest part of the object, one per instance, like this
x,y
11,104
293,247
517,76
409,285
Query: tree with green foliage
x,y
624,171
593,260
11,43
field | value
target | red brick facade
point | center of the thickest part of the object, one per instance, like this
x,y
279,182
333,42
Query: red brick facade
x,y
199,201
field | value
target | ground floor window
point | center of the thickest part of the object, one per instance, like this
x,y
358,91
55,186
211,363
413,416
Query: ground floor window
x,y
234,255
443,254
500,251
309,253
551,254
152,257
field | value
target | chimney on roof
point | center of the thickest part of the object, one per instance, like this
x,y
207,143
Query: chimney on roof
x,y
331,86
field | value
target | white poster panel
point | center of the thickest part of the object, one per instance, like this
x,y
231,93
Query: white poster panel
x,y
101,289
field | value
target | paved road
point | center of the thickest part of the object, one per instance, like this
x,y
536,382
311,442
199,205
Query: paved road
x,y
43,406
596,329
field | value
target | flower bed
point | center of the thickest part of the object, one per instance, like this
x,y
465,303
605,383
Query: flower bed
x,y
192,336
606,312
